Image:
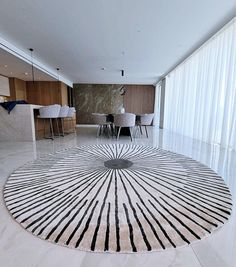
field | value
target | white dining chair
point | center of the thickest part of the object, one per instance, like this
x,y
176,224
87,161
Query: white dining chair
x,y
144,120
124,120
103,125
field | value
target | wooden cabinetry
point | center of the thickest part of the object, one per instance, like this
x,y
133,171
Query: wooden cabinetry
x,y
38,93
4,86
42,126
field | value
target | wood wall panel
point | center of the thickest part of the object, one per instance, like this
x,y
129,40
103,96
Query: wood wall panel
x,y
64,94
33,93
12,89
46,93
139,99
17,89
20,89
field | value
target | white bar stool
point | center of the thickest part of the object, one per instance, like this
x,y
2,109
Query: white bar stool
x,y
70,115
49,113
64,110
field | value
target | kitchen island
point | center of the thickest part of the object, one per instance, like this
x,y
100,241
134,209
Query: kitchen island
x,y
19,125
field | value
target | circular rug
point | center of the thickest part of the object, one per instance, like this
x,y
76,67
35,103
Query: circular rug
x,y
118,198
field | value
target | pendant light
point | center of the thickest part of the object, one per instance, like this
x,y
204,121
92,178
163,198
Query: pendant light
x,y
58,74
32,63
58,78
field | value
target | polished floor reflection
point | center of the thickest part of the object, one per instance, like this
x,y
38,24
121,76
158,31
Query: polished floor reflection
x,y
20,248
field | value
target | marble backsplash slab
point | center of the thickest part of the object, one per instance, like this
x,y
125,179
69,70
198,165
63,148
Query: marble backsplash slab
x,y
96,98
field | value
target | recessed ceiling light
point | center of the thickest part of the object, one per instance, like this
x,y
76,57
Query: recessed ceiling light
x,y
26,73
11,72
5,66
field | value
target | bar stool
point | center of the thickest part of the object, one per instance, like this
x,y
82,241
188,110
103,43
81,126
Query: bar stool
x,y
63,114
70,115
49,113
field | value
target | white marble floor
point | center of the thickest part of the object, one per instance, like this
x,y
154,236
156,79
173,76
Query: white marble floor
x,y
22,249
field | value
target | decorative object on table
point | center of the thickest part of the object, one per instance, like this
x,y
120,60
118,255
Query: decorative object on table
x,y
122,90
118,198
122,110
9,105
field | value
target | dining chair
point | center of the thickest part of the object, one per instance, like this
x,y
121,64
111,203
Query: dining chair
x,y
124,120
144,120
102,122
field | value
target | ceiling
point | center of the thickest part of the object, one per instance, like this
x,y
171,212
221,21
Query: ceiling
x,y
92,41
12,66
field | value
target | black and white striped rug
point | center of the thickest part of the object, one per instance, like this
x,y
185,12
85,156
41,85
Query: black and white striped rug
x,y
118,198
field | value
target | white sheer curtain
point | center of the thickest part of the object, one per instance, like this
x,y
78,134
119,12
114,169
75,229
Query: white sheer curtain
x,y
157,104
200,97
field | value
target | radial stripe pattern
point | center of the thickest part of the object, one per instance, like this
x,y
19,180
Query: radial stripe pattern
x,y
157,200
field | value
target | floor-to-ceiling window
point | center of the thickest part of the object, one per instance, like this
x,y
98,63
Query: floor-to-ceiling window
x,y
200,96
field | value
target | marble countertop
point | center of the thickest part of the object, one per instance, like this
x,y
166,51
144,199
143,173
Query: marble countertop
x,y
19,125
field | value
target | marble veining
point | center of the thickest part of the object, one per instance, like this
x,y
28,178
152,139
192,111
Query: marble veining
x,y
96,98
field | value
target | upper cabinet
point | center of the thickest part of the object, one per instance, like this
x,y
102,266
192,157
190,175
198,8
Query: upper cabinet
x,y
4,86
